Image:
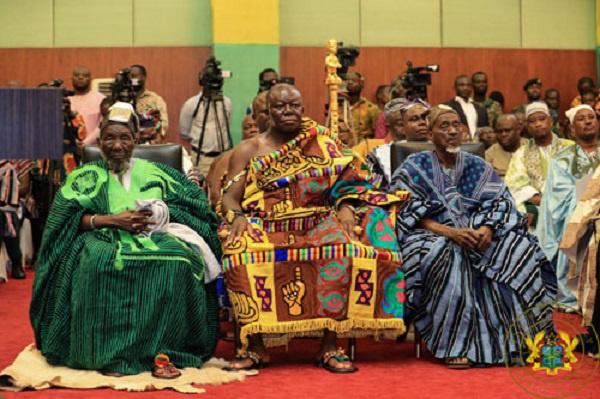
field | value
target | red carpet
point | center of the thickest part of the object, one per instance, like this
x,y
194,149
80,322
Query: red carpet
x,y
387,370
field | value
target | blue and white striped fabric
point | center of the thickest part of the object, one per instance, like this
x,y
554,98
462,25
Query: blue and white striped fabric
x,y
464,302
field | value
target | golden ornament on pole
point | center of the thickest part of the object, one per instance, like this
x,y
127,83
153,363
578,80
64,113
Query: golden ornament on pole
x,y
333,81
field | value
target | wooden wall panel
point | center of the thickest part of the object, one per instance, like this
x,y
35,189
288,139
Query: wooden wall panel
x,y
507,70
172,71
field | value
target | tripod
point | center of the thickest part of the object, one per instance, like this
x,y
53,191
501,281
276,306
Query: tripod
x,y
211,102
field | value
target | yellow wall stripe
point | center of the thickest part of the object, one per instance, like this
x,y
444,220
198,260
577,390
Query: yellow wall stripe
x,y
245,21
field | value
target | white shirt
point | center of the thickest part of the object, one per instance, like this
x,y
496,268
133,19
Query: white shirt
x,y
468,108
190,128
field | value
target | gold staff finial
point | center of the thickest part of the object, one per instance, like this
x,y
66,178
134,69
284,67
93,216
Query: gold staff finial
x,y
332,81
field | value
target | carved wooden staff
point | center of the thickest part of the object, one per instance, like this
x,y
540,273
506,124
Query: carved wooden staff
x,y
333,81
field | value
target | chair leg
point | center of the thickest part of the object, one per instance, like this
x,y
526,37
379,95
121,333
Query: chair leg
x,y
351,348
417,343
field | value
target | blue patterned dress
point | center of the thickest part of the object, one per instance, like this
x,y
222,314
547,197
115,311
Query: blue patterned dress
x,y
462,301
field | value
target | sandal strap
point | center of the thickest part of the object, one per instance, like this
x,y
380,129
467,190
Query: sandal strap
x,y
243,354
338,354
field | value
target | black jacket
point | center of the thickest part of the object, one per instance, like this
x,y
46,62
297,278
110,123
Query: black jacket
x,y
482,116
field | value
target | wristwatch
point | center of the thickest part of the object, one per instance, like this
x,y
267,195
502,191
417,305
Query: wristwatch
x,y
232,214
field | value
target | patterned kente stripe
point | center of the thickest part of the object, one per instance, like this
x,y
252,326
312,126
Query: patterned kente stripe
x,y
301,254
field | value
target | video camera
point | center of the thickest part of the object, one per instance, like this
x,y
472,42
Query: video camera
x,y
212,77
58,83
416,80
69,130
124,88
347,57
266,85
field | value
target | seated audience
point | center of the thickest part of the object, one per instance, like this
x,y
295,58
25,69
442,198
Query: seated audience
x,y
479,80
472,115
486,135
218,170
509,140
260,113
589,97
585,84
522,123
382,95
533,89
392,127
526,175
499,98
295,259
124,273
580,243
471,267
396,90
568,173
552,99
86,102
9,220
28,214
407,122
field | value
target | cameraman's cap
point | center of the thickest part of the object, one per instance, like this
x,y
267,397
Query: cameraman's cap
x,y
536,106
534,81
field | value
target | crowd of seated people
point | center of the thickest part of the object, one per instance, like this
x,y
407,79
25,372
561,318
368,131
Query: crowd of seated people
x,y
318,233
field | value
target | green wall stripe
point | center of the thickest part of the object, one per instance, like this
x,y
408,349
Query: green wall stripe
x,y
247,60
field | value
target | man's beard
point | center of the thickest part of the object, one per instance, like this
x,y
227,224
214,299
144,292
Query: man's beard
x,y
453,150
117,165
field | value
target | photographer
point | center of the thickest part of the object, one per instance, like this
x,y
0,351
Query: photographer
x,y
266,79
206,110
146,99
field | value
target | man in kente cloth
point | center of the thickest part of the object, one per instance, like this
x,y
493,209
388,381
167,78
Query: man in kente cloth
x,y
308,245
121,284
471,267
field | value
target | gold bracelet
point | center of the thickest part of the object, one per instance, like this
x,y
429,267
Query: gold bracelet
x,y
92,222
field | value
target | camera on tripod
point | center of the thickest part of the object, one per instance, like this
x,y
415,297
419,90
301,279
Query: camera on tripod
x,y
416,80
347,57
212,78
212,101
123,88
265,85
58,83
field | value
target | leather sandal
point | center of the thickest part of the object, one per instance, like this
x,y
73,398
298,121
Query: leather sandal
x,y
163,368
257,361
341,357
464,363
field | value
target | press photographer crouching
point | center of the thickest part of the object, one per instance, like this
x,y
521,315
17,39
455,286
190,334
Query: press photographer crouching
x,y
204,118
